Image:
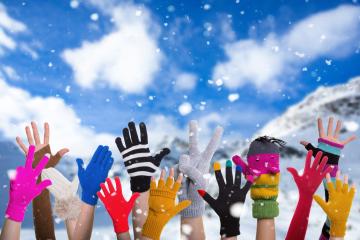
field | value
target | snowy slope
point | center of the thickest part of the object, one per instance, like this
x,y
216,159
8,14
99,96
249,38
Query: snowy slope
x,y
297,123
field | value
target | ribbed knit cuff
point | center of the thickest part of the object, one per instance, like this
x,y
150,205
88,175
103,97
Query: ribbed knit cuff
x,y
196,209
152,227
265,209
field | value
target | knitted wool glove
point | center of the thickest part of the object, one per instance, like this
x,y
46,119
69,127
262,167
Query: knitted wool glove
x,y
307,185
195,168
116,205
338,206
24,187
231,196
95,173
162,206
67,203
138,161
263,162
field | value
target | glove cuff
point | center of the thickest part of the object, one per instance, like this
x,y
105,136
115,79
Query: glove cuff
x,y
196,209
15,213
229,227
337,229
120,225
140,183
67,208
89,198
153,227
265,209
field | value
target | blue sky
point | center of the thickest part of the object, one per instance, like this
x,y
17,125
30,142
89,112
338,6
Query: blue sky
x,y
196,52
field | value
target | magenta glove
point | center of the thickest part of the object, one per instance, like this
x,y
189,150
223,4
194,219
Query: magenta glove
x,y
23,187
266,163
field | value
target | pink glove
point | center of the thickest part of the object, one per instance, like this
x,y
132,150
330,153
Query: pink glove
x,y
258,164
23,187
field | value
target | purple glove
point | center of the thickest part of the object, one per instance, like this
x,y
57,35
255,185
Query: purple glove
x,y
23,187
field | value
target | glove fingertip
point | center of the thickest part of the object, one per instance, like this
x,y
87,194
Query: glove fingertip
x,y
201,192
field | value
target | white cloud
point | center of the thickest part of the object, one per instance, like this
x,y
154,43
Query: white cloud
x,y
185,81
126,59
18,107
334,33
8,26
10,72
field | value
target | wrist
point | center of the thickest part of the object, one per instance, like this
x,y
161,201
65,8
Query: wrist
x,y
88,198
153,227
330,147
15,213
140,184
120,225
337,228
229,227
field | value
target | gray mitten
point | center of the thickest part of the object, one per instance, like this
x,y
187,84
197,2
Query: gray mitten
x,y
195,168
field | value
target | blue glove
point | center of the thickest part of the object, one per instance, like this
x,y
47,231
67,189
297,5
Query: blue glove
x,y
95,173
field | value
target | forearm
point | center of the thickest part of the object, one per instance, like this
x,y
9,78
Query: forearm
x,y
265,229
123,236
299,222
140,213
10,230
196,227
85,222
70,228
336,238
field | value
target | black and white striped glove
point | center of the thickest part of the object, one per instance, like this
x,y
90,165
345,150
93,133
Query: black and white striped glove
x,y
139,162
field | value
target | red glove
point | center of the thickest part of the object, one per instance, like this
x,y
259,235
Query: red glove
x,y
307,184
116,205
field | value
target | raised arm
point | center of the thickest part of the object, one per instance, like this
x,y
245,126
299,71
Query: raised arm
x,y
141,166
231,195
337,208
307,184
67,203
117,207
23,189
90,179
330,144
42,213
162,205
195,167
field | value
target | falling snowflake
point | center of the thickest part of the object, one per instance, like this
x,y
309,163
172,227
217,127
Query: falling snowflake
x,y
233,97
185,108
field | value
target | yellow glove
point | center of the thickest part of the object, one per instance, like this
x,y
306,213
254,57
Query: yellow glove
x,y
162,205
339,204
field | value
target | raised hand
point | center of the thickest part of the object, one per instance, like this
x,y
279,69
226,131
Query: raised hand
x,y
337,208
23,186
42,213
330,135
307,184
231,196
195,167
116,205
140,164
67,202
43,147
94,174
313,174
162,206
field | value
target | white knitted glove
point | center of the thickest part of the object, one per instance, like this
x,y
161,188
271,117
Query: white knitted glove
x,y
67,202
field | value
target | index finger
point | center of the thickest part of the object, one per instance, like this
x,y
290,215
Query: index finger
x,y
193,138
46,133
